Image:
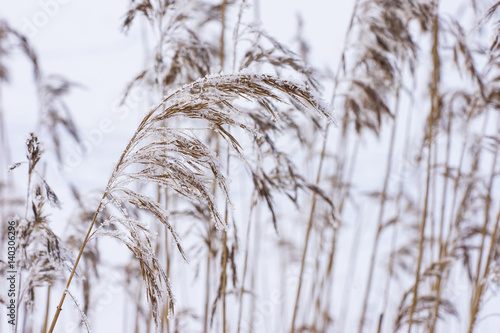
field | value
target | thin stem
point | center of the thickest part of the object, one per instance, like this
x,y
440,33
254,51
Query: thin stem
x,y
47,307
245,267
168,260
345,194
207,283
225,251
224,279
346,293
87,236
316,285
223,28
422,236
237,33
308,232
432,200
89,231
454,219
383,199
255,271
380,321
318,175
442,248
478,287
432,116
395,232
224,242
209,250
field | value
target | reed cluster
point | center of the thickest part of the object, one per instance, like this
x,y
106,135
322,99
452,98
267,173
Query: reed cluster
x,y
241,204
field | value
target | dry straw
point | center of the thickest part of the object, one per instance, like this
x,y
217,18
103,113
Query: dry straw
x,y
178,160
428,223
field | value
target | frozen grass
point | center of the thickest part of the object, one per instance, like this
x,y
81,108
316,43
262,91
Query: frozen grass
x,y
240,129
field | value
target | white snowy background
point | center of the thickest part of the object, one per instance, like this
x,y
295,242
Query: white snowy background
x,y
82,41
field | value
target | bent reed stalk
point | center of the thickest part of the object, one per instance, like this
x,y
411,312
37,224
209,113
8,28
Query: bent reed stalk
x,y
438,217
210,99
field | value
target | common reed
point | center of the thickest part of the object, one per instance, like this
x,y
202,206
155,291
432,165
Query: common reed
x,y
41,254
238,196
178,160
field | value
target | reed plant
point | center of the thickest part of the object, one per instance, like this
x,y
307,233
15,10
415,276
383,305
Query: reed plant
x,y
240,204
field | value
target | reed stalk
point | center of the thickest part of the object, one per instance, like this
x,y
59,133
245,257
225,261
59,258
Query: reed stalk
x,y
383,198
434,113
480,279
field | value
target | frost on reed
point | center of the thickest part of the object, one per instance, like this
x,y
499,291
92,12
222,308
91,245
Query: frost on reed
x,y
40,256
185,48
412,83
177,159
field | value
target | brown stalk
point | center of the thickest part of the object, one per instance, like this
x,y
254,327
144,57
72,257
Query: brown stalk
x,y
89,231
223,30
68,283
434,94
137,312
245,267
257,248
442,247
383,199
308,232
318,177
224,277
479,287
432,200
346,293
207,282
398,212
225,249
341,185
345,190
47,307
455,220
224,241
317,285
209,252
478,293
380,320
168,260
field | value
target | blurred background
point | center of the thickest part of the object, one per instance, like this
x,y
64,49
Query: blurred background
x,y
410,166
